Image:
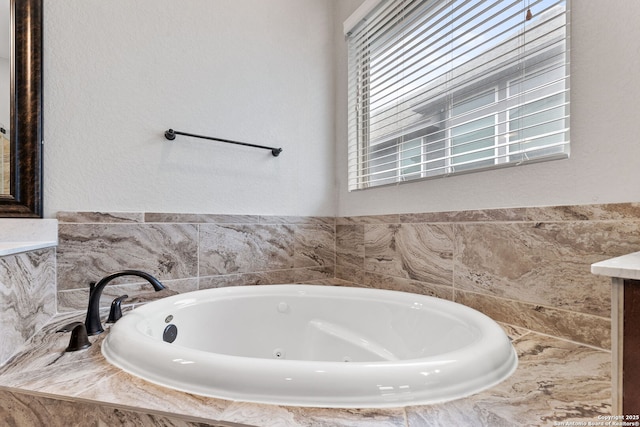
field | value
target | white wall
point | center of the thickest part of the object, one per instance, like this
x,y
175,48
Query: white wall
x,y
604,166
119,73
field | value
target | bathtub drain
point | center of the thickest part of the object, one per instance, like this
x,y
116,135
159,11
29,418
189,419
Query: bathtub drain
x,y
170,333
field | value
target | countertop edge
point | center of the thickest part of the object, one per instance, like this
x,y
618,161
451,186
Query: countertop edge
x,y
11,248
624,267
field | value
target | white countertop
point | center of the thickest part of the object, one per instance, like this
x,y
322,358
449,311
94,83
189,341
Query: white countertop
x,y
10,248
26,234
625,267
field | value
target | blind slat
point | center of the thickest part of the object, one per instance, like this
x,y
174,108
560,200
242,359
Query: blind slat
x,y
480,65
443,87
415,98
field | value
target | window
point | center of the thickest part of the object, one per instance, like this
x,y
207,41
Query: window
x,y
441,87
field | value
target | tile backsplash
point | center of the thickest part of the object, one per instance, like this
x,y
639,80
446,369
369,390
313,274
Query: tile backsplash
x,y
529,267
27,297
188,251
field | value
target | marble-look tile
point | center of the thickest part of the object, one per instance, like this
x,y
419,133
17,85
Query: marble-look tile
x,y
247,279
332,282
46,350
350,246
78,299
612,211
24,410
282,416
100,217
371,219
304,275
151,398
514,332
68,380
579,327
488,215
556,381
350,274
27,297
298,220
227,249
378,281
178,218
88,252
277,277
542,263
314,246
421,252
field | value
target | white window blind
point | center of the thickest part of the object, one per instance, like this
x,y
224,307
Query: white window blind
x,y
440,87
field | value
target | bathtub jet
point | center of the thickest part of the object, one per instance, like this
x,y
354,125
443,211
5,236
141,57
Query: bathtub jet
x,y
315,346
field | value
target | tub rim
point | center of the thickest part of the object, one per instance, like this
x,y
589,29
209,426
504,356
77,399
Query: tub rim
x,y
361,369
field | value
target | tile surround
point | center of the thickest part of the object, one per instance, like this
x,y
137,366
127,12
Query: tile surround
x,y
542,263
23,409
232,249
422,252
27,297
529,397
526,267
556,381
88,252
188,251
579,327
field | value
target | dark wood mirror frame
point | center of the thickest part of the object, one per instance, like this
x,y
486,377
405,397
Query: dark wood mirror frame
x,y
25,199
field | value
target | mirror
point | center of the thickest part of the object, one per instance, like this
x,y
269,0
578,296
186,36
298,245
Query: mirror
x,y
23,198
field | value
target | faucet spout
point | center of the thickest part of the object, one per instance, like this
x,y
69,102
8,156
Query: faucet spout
x,y
92,322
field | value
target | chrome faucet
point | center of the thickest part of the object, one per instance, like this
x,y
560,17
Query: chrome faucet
x,y
92,322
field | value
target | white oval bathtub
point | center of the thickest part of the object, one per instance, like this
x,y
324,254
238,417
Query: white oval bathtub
x,y
305,345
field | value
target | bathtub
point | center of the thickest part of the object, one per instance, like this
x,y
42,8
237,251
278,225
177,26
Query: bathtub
x,y
318,346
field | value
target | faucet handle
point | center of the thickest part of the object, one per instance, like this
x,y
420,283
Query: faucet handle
x,y
79,339
115,313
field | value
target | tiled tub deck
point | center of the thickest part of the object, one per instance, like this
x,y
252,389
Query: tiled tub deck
x,y
556,381
526,267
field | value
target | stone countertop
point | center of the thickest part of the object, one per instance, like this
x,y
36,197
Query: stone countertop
x,y
624,267
556,381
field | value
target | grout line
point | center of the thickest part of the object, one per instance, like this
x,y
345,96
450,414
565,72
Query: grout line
x,y
198,256
406,417
531,332
536,305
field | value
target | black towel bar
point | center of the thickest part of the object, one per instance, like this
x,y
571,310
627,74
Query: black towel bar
x,y
171,135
